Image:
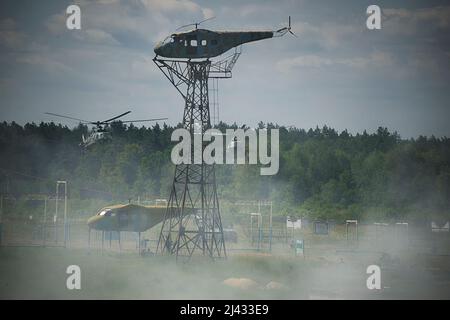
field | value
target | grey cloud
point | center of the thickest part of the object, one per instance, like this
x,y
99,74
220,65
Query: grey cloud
x,y
10,36
336,72
96,36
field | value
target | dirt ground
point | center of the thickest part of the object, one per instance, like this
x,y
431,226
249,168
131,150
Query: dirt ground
x,y
40,273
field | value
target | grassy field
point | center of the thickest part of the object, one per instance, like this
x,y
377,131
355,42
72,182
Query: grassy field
x,y
40,273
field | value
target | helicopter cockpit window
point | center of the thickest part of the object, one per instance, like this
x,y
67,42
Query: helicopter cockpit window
x,y
106,213
177,39
168,39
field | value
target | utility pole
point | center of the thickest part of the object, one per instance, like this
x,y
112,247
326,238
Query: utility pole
x,y
58,183
1,217
259,225
44,227
270,227
55,218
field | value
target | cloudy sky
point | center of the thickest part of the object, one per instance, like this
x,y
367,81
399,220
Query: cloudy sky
x,y
336,73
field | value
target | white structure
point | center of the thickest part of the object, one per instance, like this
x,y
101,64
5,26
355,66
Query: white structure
x,y
349,223
295,224
436,228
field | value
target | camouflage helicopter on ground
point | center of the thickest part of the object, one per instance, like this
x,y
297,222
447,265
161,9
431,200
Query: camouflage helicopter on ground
x,y
128,217
202,43
100,131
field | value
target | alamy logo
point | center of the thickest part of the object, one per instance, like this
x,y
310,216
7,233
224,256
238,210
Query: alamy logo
x,y
73,21
74,279
373,21
209,148
374,280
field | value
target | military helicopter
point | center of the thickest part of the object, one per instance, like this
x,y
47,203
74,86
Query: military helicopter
x,y
202,43
100,131
127,217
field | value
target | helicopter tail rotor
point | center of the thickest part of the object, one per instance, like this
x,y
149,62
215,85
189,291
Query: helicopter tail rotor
x,y
281,32
289,28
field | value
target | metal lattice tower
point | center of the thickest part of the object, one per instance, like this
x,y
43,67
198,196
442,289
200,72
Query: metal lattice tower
x,y
192,222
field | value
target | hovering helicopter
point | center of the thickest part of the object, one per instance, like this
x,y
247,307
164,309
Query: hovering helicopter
x,y
100,131
202,43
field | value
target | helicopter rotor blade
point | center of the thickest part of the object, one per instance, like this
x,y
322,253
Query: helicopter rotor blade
x,y
67,117
194,24
282,29
206,20
289,27
186,25
116,117
144,120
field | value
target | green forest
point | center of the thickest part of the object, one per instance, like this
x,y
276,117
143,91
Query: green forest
x,y
323,173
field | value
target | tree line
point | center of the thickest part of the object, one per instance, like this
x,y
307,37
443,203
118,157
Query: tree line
x,y
323,173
